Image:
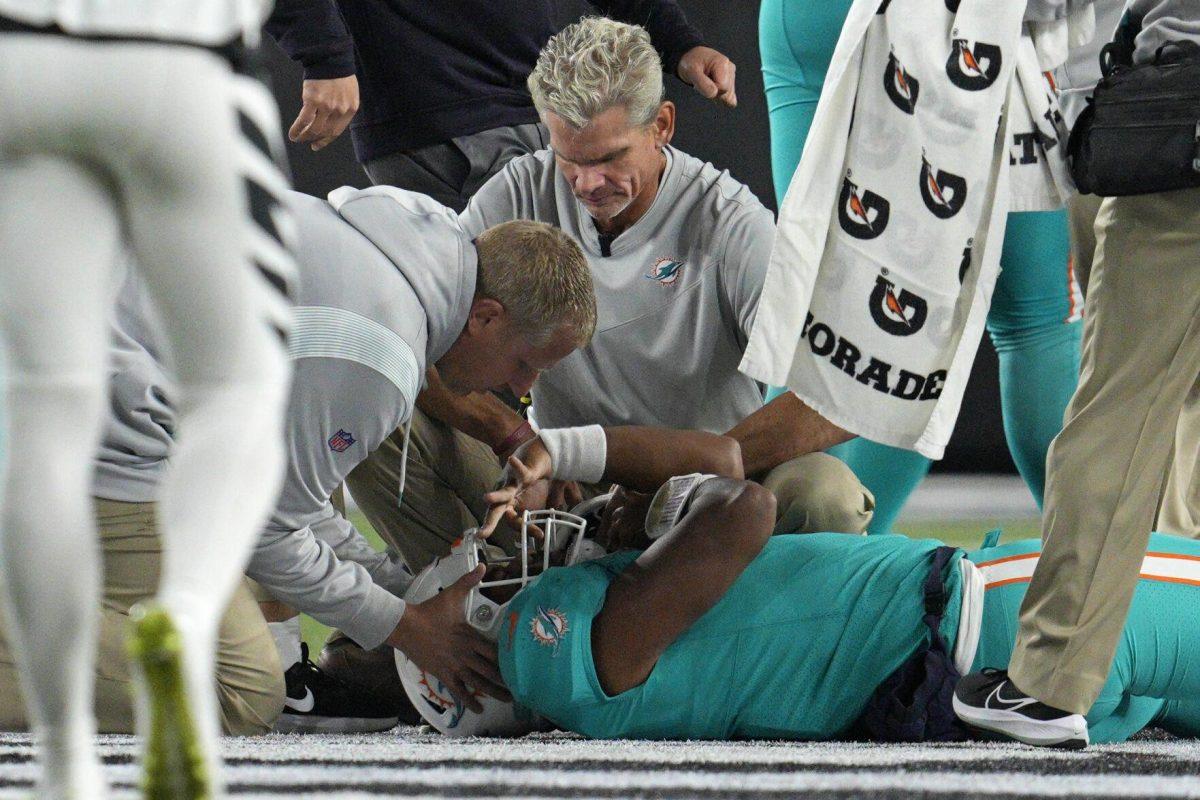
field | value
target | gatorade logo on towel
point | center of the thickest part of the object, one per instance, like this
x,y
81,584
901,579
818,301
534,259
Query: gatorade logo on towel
x,y
902,88
944,194
898,313
973,67
863,214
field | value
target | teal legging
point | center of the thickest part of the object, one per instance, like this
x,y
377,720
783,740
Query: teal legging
x,y
1033,319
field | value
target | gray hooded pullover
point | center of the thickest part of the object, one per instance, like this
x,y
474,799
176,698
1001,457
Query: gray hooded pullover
x,y
386,279
676,296
1164,21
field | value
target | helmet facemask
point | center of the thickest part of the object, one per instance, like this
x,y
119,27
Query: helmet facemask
x,y
561,542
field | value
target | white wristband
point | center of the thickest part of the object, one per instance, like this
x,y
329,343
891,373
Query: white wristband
x,y
576,454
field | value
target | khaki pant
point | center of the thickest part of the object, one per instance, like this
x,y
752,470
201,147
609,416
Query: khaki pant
x,y
1179,511
1140,365
249,678
1081,217
449,472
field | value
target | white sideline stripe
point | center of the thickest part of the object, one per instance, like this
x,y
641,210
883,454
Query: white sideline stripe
x,y
526,768
533,781
496,754
1155,566
350,750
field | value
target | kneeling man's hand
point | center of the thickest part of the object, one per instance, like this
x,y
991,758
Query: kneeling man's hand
x,y
437,637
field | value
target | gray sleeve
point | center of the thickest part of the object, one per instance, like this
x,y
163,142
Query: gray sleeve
x,y
498,200
386,568
303,571
746,255
1164,21
140,423
338,413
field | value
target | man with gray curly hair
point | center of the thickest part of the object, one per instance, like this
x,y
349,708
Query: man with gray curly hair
x,y
596,65
678,252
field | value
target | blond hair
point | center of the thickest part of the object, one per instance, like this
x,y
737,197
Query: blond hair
x,y
594,65
540,276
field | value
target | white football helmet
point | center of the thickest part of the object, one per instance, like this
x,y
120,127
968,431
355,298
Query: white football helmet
x,y
564,533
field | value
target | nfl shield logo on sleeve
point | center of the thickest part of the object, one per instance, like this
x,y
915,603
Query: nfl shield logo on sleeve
x,y
340,441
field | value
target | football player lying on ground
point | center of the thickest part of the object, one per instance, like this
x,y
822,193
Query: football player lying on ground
x,y
717,630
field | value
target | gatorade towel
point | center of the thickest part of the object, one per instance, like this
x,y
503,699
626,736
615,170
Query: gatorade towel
x,y
889,237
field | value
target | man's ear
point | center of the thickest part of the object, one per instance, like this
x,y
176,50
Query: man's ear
x,y
664,124
485,314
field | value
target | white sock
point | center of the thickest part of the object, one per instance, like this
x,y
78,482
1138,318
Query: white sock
x,y
223,479
287,640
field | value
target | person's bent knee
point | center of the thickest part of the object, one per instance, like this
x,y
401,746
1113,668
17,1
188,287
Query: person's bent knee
x,y
818,492
251,710
250,682
753,502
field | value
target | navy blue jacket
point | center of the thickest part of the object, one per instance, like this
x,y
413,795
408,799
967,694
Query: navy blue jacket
x,y
430,70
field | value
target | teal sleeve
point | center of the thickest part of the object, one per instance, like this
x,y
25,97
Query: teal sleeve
x,y
545,647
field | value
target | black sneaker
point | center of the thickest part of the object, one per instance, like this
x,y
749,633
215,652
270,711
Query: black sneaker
x,y
371,672
991,702
319,703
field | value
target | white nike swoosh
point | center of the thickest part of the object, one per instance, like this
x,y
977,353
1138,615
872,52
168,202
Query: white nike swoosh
x,y
1009,705
304,704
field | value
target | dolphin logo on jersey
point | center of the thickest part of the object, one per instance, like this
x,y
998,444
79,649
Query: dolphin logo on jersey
x,y
665,271
973,68
901,87
549,627
864,215
340,441
944,193
898,313
440,699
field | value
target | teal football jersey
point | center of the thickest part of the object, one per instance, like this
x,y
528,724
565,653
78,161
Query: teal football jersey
x,y
794,650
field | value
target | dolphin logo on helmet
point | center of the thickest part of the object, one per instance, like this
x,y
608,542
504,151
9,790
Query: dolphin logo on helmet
x,y
563,535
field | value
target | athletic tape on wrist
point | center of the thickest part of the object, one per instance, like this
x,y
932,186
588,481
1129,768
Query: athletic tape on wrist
x,y
670,503
576,454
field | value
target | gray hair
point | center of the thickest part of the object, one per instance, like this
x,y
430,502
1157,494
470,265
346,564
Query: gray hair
x,y
594,65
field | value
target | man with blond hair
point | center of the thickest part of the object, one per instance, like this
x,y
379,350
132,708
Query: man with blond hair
x,y
388,284
678,251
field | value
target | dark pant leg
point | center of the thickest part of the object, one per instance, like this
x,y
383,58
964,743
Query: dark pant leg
x,y
450,172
